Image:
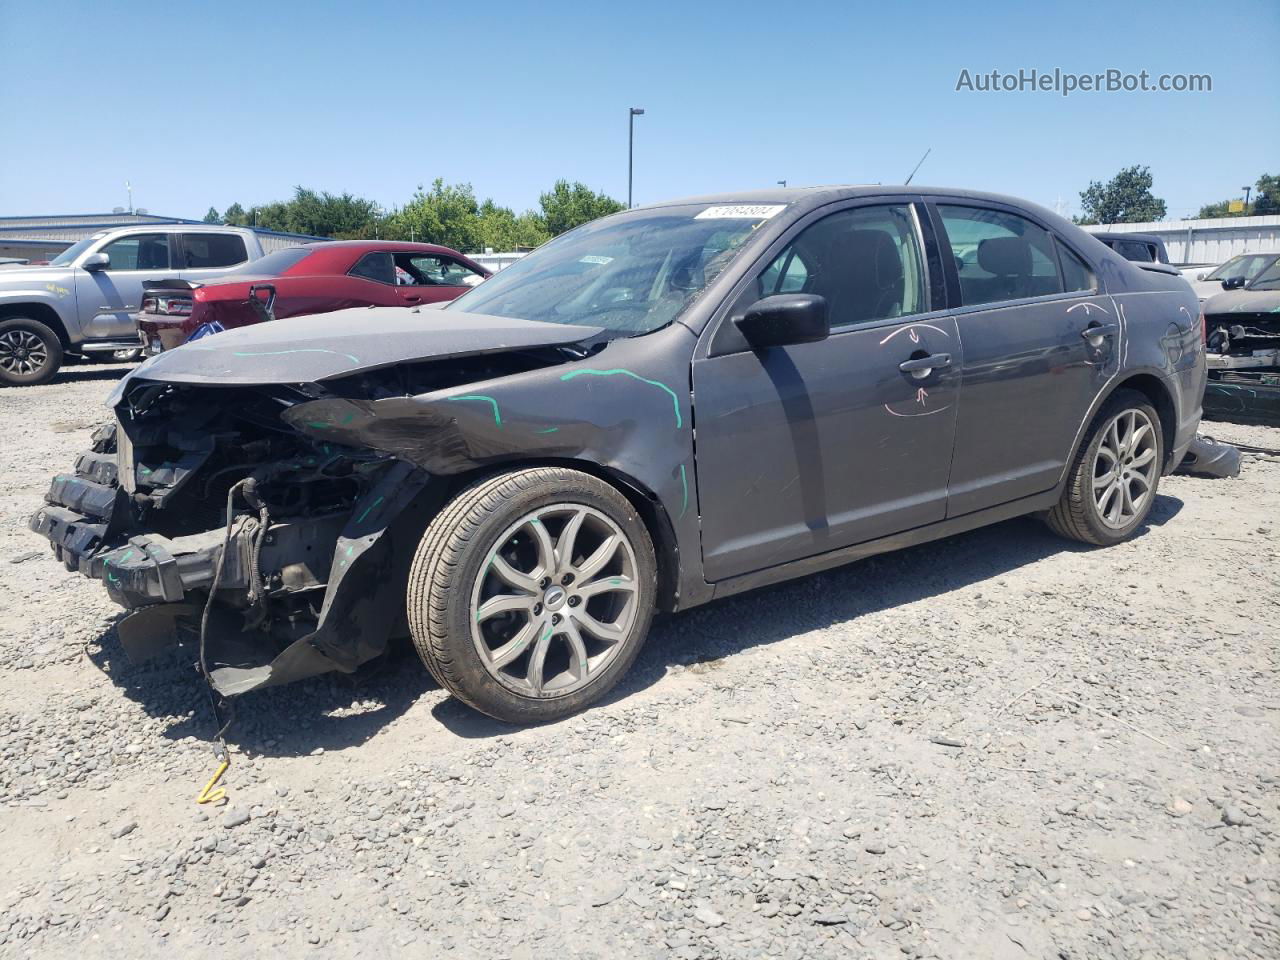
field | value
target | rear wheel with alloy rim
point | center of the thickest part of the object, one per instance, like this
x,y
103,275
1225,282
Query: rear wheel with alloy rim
x,y
1113,482
531,593
30,353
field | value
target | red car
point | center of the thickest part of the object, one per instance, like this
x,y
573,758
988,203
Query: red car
x,y
314,278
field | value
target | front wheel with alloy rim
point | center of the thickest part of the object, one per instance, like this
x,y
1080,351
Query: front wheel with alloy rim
x,y
531,593
30,353
1113,481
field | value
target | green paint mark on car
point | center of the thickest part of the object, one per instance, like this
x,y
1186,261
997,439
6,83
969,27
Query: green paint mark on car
x,y
619,371
684,490
367,510
317,425
550,430
497,417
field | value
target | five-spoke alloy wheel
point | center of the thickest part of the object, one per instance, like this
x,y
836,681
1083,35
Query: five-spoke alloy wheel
x,y
531,593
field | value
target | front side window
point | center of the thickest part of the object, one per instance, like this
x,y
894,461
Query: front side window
x,y
141,251
1268,279
999,255
865,262
205,250
630,273
375,266
433,270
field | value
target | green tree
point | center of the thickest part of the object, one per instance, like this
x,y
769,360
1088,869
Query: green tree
x,y
1266,195
499,228
1125,198
446,214
234,215
1265,200
213,216
1214,210
568,205
329,215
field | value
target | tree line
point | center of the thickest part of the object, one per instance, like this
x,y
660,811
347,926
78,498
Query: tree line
x,y
1128,198
447,214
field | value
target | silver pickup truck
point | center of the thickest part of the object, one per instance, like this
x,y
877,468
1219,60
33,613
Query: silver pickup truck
x,y
83,303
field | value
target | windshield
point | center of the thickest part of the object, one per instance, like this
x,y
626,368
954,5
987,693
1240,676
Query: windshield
x,y
631,273
68,256
272,265
1247,265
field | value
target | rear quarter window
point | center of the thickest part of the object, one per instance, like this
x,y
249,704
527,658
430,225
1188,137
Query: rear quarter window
x,y
206,250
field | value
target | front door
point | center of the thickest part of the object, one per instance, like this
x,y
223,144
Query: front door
x,y
108,299
433,278
1031,370
812,447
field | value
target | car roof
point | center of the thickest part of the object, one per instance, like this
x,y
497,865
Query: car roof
x,y
806,198
403,246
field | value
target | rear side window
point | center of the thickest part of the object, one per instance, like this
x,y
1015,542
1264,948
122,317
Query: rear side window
x,y
1136,251
273,264
208,250
140,251
1076,275
375,266
999,256
213,250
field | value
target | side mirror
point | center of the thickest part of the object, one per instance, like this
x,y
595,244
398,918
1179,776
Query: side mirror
x,y
95,262
1202,275
784,319
1233,283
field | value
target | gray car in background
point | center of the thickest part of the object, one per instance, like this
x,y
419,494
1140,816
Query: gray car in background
x,y
662,407
84,301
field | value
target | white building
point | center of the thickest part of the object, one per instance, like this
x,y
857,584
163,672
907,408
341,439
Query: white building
x,y
1195,242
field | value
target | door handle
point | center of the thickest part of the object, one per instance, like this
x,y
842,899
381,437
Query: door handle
x,y
921,367
1096,331
412,298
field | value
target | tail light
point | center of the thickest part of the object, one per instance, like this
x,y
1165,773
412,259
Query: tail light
x,y
167,306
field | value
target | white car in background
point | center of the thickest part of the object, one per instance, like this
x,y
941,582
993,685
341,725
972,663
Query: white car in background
x,y
1208,282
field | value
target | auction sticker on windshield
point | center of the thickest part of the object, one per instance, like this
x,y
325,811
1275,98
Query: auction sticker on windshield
x,y
742,211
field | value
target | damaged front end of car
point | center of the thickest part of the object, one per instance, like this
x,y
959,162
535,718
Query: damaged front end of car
x,y
194,486
296,504
1243,334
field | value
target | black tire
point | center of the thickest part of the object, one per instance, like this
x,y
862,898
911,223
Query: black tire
x,y
20,339
1077,515
458,547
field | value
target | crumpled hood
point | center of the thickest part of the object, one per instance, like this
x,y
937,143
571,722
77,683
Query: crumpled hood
x,y
1243,301
313,348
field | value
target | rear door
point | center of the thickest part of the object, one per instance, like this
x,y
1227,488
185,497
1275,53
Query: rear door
x,y
1025,305
812,447
107,299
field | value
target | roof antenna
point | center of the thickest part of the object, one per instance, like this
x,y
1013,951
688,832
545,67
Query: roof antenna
x,y
917,167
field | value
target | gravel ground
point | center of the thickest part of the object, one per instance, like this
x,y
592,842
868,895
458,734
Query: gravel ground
x,y
1001,745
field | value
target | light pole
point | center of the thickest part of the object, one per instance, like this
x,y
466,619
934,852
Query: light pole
x,y
782,183
1247,191
631,146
